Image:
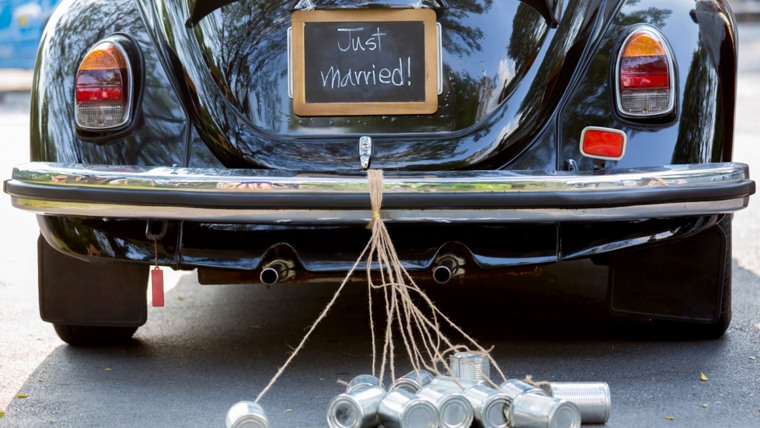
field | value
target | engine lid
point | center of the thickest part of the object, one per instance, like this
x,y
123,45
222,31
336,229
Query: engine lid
x,y
503,67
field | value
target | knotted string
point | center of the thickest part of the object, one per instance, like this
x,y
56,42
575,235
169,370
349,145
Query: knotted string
x,y
407,308
419,325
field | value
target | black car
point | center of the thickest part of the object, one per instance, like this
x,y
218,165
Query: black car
x,y
234,137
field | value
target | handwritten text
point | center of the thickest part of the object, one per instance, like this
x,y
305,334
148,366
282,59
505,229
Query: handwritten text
x,y
335,78
355,42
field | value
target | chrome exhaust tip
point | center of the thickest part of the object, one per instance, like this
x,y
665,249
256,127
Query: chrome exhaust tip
x,y
276,271
448,267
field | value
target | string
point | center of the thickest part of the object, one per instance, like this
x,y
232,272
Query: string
x,y
155,251
420,326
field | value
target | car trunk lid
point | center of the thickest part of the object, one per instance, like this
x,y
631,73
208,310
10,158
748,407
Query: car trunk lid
x,y
504,69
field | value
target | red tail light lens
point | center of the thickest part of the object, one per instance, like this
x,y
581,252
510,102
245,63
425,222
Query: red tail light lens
x,y
645,75
603,143
104,88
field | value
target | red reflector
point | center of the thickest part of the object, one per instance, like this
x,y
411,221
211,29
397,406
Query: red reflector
x,y
603,143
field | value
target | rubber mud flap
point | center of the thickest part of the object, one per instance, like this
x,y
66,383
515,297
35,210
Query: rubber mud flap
x,y
75,292
681,280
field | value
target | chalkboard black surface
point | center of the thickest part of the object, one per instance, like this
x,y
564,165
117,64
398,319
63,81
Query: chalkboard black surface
x,y
364,62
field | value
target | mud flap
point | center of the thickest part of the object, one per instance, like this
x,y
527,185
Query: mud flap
x,y
680,281
75,292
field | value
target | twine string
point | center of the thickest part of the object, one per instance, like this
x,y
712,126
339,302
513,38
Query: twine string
x,y
408,310
319,319
418,323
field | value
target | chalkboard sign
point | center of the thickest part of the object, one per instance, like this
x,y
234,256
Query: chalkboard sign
x,y
364,62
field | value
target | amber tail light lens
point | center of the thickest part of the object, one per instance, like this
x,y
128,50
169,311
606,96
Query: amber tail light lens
x,y
104,88
645,75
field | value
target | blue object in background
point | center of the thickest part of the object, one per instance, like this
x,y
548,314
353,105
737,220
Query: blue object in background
x,y
21,25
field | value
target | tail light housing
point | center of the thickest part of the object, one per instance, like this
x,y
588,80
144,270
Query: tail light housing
x,y
645,76
104,87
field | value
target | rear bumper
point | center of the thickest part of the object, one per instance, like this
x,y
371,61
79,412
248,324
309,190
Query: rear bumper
x,y
276,197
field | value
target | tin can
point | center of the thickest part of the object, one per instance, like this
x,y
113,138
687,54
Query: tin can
x,y
532,408
413,381
489,406
246,414
541,411
450,383
515,387
402,409
363,381
357,408
470,367
593,399
454,410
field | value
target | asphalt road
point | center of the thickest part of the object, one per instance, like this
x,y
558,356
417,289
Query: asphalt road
x,y
212,346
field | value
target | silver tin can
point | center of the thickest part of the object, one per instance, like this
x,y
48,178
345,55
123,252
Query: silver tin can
x,y
246,414
542,411
454,411
357,408
489,406
451,383
402,409
413,381
593,399
532,408
470,367
363,381
515,387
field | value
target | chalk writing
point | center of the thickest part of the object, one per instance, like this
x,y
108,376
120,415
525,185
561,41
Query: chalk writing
x,y
398,76
356,43
364,61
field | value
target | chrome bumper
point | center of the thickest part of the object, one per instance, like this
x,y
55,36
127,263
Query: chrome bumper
x,y
280,197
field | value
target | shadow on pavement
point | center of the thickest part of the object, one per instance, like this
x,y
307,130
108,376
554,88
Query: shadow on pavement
x,y
212,346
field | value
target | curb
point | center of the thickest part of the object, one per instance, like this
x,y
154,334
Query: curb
x,y
15,80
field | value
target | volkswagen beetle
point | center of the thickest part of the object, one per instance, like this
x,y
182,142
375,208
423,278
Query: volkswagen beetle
x,y
234,137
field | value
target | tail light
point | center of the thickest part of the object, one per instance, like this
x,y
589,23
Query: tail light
x,y
645,75
104,88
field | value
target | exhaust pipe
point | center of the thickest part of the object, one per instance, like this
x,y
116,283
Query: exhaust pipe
x,y
276,271
448,267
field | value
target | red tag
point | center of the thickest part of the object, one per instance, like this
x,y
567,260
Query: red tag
x,y
157,280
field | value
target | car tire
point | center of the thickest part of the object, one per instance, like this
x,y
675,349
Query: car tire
x,y
87,335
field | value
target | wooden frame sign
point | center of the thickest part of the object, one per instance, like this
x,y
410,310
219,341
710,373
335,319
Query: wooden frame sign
x,y
364,62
